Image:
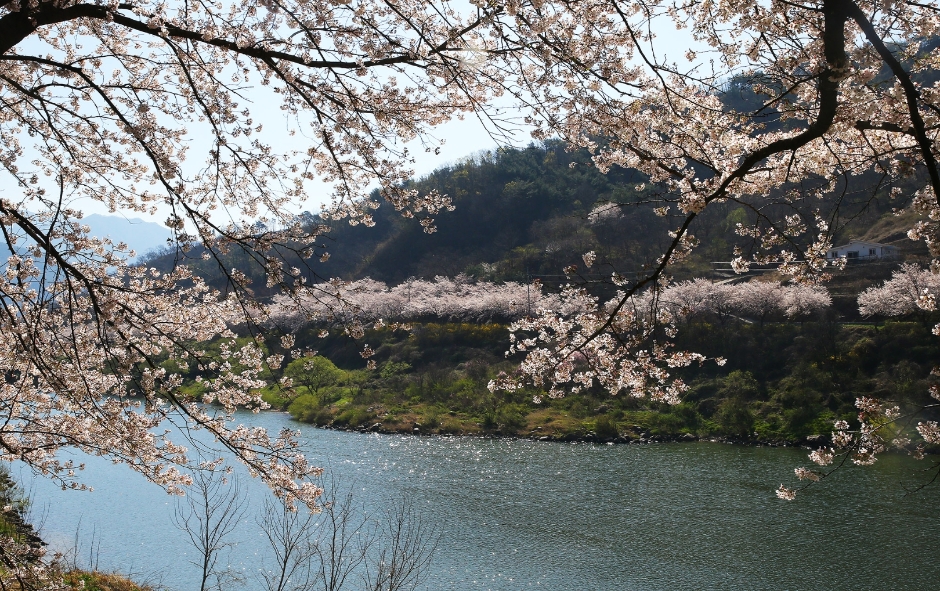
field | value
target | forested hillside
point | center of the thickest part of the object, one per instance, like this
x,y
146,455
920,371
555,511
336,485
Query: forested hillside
x,y
783,382
528,213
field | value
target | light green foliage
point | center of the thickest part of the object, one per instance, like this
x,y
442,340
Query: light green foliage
x,y
392,369
304,408
314,373
276,396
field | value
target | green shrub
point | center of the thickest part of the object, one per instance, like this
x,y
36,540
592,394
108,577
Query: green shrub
x,y
391,370
606,428
96,581
489,421
511,417
304,408
323,417
739,384
450,426
691,419
276,397
354,417
735,417
192,391
431,420
664,423
315,373
578,409
13,519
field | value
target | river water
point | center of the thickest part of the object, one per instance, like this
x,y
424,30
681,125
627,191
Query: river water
x,y
518,514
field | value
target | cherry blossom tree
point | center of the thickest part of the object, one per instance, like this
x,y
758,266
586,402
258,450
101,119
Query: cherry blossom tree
x,y
911,289
758,299
801,301
689,299
841,88
164,108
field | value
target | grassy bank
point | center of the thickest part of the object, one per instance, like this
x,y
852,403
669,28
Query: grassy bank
x,y
97,581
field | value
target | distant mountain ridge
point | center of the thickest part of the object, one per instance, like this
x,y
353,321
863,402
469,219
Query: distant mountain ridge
x,y
140,235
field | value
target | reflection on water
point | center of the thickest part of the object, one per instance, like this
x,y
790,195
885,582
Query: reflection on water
x,y
535,515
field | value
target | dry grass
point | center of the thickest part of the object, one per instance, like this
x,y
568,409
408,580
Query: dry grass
x,y
892,229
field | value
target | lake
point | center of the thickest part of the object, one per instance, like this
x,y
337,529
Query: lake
x,y
518,514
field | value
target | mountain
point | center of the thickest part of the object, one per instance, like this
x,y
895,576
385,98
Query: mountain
x,y
528,213
524,213
140,235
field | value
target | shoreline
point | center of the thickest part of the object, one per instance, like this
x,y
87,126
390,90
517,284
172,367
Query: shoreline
x,y
809,442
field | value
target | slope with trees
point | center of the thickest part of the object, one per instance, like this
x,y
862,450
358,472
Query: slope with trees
x,y
568,208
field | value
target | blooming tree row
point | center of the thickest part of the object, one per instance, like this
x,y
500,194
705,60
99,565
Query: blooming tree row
x,y
753,299
366,301
461,299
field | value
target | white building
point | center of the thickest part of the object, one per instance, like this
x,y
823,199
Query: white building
x,y
859,249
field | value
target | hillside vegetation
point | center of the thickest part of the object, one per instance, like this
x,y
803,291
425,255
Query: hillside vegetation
x,y
783,383
525,214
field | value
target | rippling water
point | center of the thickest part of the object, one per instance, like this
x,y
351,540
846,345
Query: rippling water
x,y
536,515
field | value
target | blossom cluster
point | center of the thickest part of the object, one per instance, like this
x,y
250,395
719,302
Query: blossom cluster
x,y
159,109
878,430
624,344
77,373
